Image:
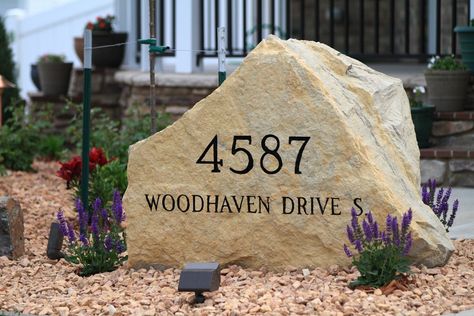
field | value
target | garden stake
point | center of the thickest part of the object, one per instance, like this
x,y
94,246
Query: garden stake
x,y
152,68
86,117
221,54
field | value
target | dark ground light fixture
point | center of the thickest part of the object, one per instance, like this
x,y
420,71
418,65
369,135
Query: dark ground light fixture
x,y
199,278
55,242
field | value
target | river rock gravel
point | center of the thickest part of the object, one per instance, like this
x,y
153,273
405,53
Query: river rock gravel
x,y
39,286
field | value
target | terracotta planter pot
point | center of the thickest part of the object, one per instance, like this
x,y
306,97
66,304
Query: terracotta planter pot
x,y
35,76
79,48
54,77
447,89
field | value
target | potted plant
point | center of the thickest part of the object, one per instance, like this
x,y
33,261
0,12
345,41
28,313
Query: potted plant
x,y
54,74
466,41
103,34
447,81
422,116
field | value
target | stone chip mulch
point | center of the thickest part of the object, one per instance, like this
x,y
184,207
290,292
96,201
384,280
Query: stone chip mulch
x,y
39,286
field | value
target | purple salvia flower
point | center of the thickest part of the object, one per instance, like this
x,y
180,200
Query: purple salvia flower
x,y
62,223
385,239
81,212
370,218
83,239
347,251
406,220
358,246
388,223
439,197
350,234
70,234
425,195
453,214
395,232
119,247
375,230
367,230
407,246
108,243
446,196
97,205
117,207
95,225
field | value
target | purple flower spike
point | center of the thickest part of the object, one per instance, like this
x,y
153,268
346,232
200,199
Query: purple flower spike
x,y
408,243
375,230
406,220
62,223
367,230
97,205
347,251
395,232
389,225
83,218
70,234
350,234
453,213
358,246
83,239
385,239
120,247
117,207
95,225
370,218
108,243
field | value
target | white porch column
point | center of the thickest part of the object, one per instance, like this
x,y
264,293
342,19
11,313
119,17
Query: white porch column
x,y
432,27
187,36
471,13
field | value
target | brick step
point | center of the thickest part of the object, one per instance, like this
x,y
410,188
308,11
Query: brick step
x,y
446,153
454,116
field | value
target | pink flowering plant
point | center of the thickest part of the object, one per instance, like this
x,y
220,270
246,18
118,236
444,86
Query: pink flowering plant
x,y
99,245
440,204
381,256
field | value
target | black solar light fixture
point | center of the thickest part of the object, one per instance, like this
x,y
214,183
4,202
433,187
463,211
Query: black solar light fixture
x,y
199,278
55,242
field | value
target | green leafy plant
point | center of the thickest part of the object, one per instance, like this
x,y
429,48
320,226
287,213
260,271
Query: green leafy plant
x,y
51,147
7,70
381,255
101,244
416,100
105,176
19,142
51,58
446,63
440,205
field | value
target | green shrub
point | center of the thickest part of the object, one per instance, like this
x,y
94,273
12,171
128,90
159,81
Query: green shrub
x,y
381,254
7,70
19,142
51,147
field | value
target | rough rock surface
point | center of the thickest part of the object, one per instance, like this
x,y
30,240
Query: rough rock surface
x,y
362,145
12,243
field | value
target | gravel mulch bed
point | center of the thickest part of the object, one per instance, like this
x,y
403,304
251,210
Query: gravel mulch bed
x,y
36,285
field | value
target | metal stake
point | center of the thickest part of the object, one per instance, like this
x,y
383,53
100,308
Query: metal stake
x,y
86,117
152,67
221,34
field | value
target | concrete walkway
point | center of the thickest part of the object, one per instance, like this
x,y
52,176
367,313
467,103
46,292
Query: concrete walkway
x,y
463,226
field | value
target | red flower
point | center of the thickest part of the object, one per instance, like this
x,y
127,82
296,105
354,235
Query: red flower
x,y
97,157
70,170
102,25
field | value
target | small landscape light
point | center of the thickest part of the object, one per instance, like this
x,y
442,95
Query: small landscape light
x,y
199,278
55,242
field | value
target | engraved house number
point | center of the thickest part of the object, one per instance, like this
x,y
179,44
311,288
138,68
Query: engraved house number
x,y
270,151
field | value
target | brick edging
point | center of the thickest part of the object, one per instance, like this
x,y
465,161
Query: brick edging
x,y
431,153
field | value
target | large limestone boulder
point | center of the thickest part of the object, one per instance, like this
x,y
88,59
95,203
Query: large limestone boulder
x,y
244,206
